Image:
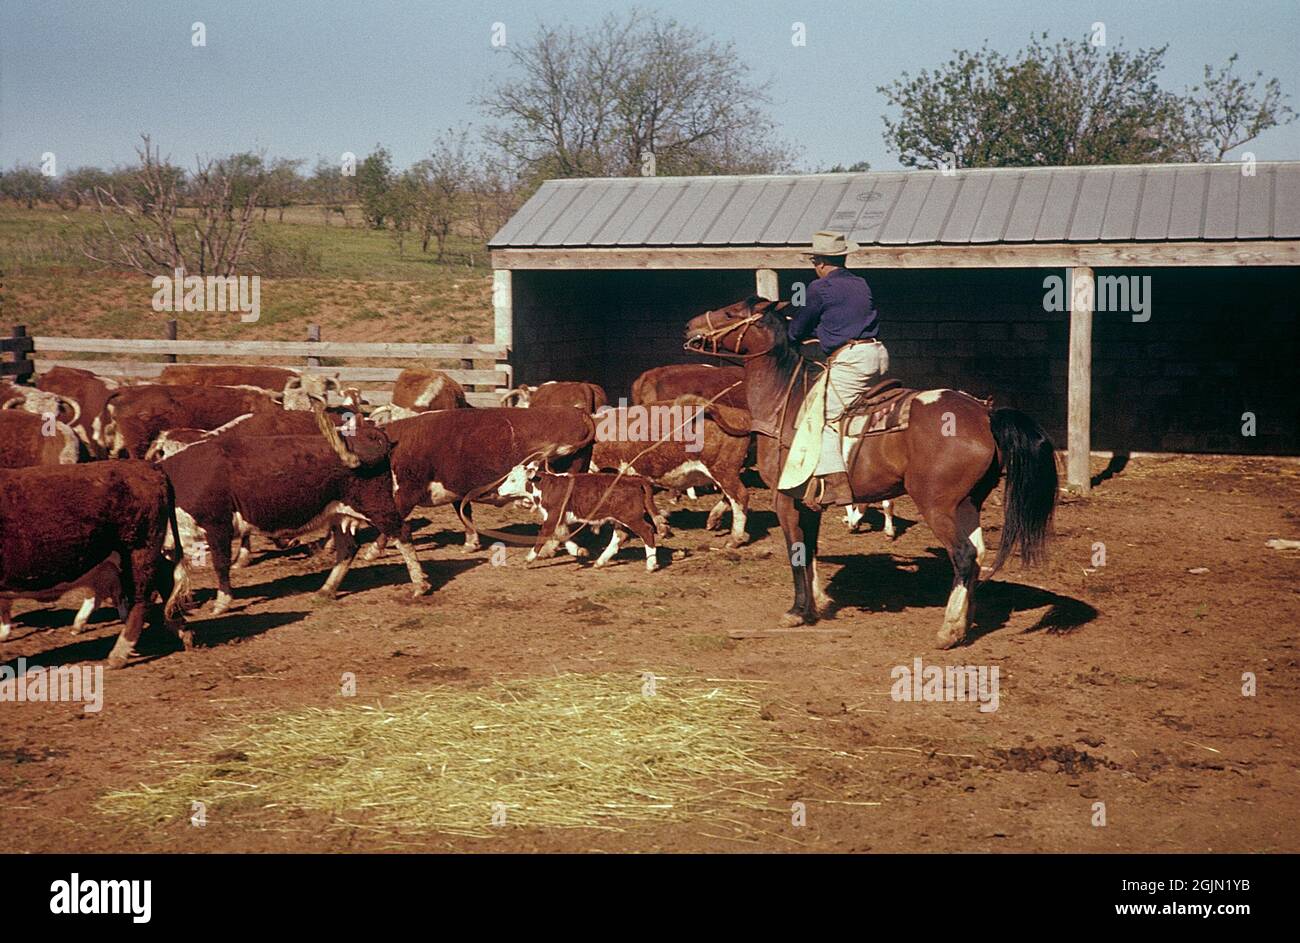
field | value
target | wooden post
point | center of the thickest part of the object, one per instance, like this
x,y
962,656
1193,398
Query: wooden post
x,y
171,336
467,363
503,310
1079,410
19,346
313,337
769,286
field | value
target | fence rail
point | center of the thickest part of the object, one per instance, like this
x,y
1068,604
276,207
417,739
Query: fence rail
x,y
484,384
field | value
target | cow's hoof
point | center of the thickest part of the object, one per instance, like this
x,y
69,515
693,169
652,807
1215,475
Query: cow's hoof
x,y
422,588
370,553
116,660
325,593
220,608
187,638
735,541
950,638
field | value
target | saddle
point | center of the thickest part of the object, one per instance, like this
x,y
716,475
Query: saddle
x,y
885,407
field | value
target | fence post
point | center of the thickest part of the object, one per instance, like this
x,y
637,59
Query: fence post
x,y
467,363
313,337
171,336
20,349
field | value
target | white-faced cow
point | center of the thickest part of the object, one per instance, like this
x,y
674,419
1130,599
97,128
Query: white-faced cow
x,y
588,397
139,414
28,439
284,487
418,391
625,502
100,526
91,393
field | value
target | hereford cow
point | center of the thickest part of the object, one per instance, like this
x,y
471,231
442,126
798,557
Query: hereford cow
x,y
91,393
204,374
139,414
418,391
696,444
92,525
588,397
445,456
286,486
661,384
23,440
626,502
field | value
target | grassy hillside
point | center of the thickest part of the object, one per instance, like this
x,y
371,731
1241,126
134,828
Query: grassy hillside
x,y
353,284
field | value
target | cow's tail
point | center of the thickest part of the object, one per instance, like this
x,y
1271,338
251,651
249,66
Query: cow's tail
x,y
1027,455
181,598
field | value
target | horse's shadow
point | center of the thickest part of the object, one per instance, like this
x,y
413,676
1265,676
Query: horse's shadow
x,y
883,583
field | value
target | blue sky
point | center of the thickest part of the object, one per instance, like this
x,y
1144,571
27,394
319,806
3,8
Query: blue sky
x,y
303,78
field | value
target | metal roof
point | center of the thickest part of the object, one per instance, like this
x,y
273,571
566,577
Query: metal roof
x,y
1138,203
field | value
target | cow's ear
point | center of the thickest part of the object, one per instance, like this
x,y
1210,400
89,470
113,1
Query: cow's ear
x,y
531,470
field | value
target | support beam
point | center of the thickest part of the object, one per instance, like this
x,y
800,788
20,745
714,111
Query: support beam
x,y
768,285
503,311
1079,410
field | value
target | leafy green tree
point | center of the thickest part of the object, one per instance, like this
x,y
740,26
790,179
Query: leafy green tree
x,y
373,182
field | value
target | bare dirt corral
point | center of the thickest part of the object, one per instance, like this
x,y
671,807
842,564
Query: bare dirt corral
x,y
1119,684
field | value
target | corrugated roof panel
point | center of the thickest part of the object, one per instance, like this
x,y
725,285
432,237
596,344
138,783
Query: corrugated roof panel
x,y
565,192
992,222
563,223
1028,207
1286,205
844,217
820,210
1058,207
665,234
972,190
640,195
666,194
1157,201
735,213
1189,202
609,199
1221,203
902,215
693,230
508,233
1255,205
774,192
783,229
1090,206
1121,207
935,210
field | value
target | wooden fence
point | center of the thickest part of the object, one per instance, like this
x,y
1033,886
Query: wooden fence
x,y
481,368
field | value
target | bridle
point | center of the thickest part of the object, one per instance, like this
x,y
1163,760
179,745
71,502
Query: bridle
x,y
715,334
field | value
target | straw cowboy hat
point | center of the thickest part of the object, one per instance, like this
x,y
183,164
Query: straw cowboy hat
x,y
830,243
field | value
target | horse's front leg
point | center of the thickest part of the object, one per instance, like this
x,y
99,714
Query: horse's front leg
x,y
800,527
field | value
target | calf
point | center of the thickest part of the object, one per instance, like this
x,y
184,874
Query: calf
x,y
447,456
625,502
672,462
660,384
85,525
286,486
139,414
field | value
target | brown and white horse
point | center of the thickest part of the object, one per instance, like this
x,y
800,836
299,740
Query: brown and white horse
x,y
949,459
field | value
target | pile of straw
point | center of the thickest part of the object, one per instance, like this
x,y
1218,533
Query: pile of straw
x,y
571,751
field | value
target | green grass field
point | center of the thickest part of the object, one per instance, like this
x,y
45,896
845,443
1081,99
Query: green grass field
x,y
348,279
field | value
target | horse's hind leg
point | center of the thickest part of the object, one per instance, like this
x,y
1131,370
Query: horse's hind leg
x,y
960,533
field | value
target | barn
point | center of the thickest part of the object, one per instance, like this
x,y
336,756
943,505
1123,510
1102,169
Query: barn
x,y
1147,308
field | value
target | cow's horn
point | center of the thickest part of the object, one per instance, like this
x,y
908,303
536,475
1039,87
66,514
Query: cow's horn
x,y
331,434
13,402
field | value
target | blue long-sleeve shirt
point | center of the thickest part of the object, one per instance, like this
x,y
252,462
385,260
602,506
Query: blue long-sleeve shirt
x,y
838,308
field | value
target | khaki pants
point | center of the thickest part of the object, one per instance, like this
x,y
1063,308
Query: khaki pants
x,y
852,370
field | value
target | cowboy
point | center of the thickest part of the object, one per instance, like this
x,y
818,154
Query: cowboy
x,y
839,310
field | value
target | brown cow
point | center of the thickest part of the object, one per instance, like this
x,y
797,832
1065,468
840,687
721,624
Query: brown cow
x,y
91,393
418,391
72,526
138,414
286,486
23,441
662,384
206,374
626,502
679,445
588,397
442,457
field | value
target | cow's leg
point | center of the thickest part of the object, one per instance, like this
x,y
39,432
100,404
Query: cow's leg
x,y
6,618
645,530
219,538
137,587
345,549
88,607
245,551
420,585
608,553
125,643
471,534
737,495
546,542
715,515
376,549
887,507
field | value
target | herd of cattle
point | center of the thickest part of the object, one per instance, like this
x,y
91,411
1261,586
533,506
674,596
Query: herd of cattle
x,y
117,490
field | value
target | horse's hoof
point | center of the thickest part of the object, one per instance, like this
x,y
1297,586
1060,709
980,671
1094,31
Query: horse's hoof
x,y
950,639
116,660
325,593
794,619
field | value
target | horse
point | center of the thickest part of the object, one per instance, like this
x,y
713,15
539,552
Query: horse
x,y
949,458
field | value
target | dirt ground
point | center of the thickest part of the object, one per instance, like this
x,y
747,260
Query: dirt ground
x,y
1120,684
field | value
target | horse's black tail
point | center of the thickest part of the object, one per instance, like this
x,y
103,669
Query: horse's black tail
x,y
1030,462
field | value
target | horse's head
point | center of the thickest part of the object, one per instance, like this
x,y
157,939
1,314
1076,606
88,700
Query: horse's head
x,y
748,328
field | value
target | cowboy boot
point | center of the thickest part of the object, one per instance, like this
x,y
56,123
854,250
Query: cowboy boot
x,y
836,490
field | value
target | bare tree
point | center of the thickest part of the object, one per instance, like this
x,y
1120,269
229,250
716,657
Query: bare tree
x,y
145,230
442,181
1227,111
